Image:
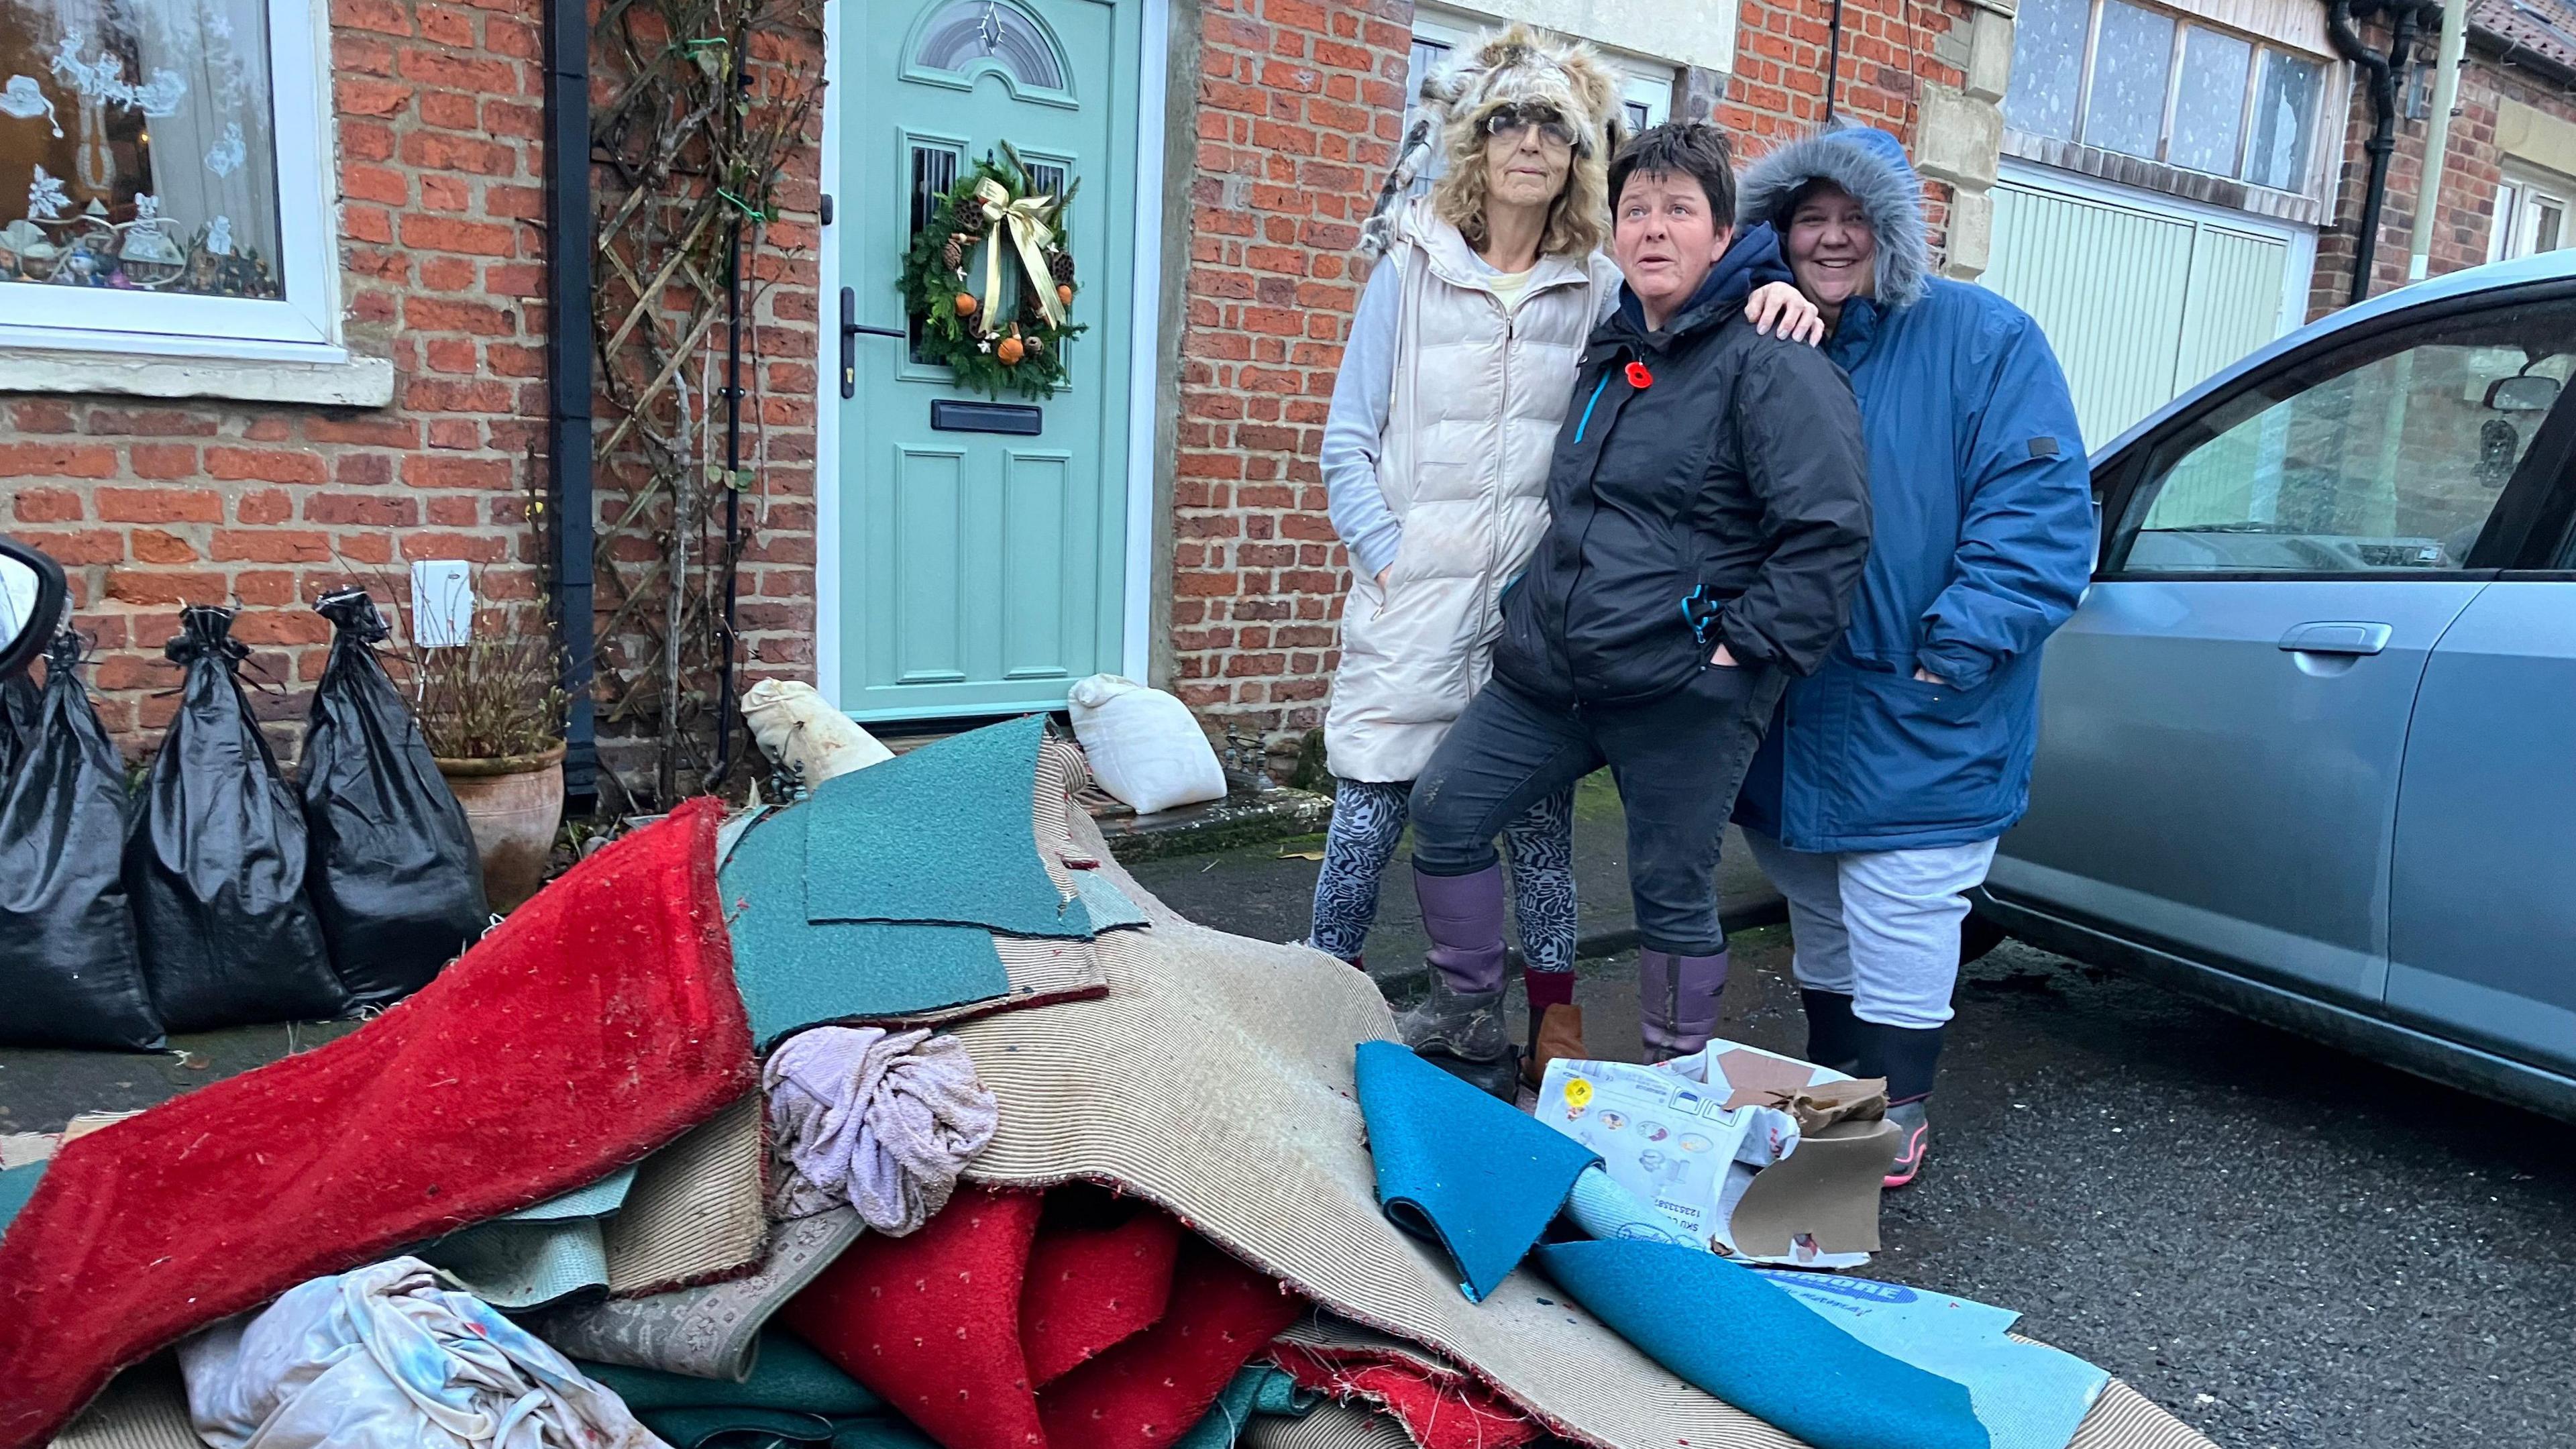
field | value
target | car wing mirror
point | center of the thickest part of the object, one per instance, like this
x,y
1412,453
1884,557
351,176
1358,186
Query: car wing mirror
x,y
31,604
2527,393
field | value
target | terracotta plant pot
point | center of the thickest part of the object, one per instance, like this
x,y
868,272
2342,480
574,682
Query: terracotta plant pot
x,y
512,805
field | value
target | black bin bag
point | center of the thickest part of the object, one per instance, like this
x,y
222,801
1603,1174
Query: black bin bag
x,y
214,859
394,874
18,706
69,971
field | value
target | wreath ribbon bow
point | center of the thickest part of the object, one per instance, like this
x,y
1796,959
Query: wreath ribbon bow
x,y
1025,219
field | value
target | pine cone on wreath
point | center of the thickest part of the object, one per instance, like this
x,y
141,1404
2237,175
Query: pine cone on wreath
x,y
953,254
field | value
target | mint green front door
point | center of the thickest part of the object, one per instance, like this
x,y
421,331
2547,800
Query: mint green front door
x,y
982,571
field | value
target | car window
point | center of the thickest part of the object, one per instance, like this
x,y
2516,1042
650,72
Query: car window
x,y
2387,457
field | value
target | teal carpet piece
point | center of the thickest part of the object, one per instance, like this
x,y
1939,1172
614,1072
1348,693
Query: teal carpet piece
x,y
794,1395
795,973
1258,1389
2028,1395
1461,1167
17,1184
942,834
1725,1329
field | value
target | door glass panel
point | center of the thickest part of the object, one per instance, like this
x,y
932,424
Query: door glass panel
x,y
2387,459
934,171
2131,62
966,33
2047,66
2285,109
2209,107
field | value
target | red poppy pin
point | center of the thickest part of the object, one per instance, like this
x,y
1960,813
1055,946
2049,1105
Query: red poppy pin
x,y
1639,377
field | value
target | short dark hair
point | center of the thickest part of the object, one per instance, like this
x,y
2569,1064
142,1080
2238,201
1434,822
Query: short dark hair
x,y
1694,149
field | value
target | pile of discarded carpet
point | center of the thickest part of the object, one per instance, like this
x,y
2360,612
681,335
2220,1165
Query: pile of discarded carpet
x,y
901,1117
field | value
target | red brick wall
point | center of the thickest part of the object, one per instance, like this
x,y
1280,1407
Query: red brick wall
x,y
1781,49
150,504
2470,172
1298,110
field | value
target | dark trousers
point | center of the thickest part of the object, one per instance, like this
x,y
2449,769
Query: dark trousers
x,y
1678,762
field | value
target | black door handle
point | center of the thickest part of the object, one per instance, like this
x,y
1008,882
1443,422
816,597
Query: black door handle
x,y
851,327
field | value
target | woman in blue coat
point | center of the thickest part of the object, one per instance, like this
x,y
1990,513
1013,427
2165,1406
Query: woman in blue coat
x,y
1878,793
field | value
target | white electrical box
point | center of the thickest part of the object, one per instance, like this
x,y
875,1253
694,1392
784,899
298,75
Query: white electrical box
x,y
442,603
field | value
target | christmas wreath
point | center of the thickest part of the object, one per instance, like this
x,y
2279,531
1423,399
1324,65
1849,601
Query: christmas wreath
x,y
990,282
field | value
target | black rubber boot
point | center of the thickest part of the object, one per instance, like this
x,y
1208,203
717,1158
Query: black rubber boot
x,y
1906,1056
1833,1033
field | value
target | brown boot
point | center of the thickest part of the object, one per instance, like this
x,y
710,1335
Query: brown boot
x,y
1560,1034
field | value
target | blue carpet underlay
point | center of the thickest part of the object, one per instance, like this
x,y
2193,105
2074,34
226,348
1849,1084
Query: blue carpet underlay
x,y
1462,1167
1725,1329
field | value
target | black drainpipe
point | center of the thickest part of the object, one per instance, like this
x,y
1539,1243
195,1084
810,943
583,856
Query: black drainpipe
x,y
568,370
1833,58
2383,71
725,638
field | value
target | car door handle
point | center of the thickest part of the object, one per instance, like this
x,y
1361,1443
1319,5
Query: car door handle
x,y
2337,638
851,328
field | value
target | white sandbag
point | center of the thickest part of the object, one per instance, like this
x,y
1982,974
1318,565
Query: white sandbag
x,y
1144,746
387,1358
794,726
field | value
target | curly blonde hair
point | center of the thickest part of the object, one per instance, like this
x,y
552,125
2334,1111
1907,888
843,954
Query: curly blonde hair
x,y
1578,220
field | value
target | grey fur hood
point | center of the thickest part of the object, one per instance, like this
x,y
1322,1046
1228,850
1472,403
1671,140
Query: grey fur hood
x,y
1870,164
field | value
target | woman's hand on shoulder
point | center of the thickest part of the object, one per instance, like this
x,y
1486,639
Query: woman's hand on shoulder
x,y
1779,309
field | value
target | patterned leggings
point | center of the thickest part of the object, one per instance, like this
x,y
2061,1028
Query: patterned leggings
x,y
1368,820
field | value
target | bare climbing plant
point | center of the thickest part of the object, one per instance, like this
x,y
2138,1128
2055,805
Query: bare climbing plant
x,y
700,110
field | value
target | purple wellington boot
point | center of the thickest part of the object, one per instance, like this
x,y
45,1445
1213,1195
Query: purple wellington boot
x,y
1677,1001
1463,1016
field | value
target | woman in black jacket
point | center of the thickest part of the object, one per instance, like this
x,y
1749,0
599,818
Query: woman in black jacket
x,y
1709,520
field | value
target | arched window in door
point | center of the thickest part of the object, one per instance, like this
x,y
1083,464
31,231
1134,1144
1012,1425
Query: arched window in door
x,y
959,40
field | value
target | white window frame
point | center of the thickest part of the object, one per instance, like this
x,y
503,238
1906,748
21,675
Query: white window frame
x,y
283,349
1643,80
2520,197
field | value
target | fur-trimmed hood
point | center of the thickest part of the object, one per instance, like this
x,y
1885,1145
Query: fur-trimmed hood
x,y
1870,164
1521,65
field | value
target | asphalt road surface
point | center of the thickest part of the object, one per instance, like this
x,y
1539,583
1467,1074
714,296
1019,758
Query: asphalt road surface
x,y
2289,1247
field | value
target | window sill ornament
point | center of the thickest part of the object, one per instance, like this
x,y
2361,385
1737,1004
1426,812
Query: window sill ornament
x,y
1000,320
57,245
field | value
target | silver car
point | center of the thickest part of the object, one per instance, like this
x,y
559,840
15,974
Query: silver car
x,y
2309,747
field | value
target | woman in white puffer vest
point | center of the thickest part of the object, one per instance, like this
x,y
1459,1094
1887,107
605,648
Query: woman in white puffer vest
x,y
1458,372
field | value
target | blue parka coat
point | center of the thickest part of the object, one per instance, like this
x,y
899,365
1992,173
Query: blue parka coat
x,y
1983,543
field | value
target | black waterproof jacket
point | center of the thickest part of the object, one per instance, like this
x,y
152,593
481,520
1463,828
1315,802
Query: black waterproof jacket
x,y
1711,485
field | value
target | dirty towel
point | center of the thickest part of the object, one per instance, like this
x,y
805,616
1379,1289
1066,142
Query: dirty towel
x,y
595,1024
1457,1165
2028,1395
385,1358
880,1121
1725,1328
